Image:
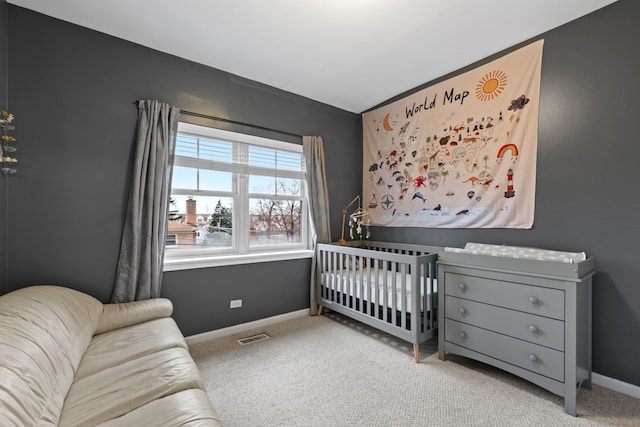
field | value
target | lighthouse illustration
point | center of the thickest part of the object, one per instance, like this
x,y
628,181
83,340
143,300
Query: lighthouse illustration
x,y
510,192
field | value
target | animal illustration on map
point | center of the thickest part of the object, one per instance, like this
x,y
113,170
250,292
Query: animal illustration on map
x,y
478,181
419,182
459,152
473,179
418,195
434,180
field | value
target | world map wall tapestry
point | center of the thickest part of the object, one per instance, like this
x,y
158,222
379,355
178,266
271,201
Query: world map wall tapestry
x,y
458,154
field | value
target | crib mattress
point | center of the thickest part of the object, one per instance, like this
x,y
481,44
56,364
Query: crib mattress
x,y
369,286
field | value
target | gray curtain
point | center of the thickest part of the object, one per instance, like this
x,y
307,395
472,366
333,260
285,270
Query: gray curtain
x,y
318,206
139,271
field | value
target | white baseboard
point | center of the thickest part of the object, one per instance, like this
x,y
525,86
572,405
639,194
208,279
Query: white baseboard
x,y
597,379
236,329
616,385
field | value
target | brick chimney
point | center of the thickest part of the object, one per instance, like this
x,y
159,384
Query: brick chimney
x,y
191,211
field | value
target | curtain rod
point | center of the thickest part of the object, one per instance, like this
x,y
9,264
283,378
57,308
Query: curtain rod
x,y
220,119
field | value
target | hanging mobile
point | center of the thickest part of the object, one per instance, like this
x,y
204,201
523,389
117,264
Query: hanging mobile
x,y
357,220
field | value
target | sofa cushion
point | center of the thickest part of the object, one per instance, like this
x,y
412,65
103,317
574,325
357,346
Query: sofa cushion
x,y
44,331
116,391
186,408
122,345
117,316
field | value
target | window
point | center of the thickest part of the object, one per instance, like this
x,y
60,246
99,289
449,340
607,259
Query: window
x,y
172,240
235,198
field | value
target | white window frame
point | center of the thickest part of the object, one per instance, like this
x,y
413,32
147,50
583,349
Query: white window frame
x,y
241,253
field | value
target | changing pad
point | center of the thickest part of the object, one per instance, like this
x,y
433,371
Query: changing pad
x,y
520,252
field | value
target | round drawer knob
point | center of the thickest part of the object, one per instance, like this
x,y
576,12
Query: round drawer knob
x,y
533,300
463,334
462,287
533,329
462,310
533,358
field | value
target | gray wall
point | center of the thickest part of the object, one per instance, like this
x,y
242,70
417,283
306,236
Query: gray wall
x,y
4,105
72,90
587,185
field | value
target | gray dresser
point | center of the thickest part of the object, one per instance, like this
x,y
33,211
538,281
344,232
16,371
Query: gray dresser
x,y
530,318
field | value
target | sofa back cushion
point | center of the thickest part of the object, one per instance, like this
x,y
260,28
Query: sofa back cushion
x,y
44,331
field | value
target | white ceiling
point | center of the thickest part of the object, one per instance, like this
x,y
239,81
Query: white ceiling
x,y
352,54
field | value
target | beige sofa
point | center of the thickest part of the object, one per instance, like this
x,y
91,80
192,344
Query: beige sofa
x,y
66,359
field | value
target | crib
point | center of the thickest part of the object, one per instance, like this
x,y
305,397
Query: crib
x,y
389,286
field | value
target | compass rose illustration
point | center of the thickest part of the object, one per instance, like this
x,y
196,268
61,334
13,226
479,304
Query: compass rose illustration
x,y
387,202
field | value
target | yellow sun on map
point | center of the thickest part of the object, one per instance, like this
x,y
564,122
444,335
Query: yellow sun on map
x,y
491,85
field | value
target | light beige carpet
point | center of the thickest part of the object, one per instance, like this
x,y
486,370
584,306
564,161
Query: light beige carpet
x,y
333,371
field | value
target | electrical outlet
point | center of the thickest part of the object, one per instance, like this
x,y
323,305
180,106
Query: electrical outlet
x,y
235,303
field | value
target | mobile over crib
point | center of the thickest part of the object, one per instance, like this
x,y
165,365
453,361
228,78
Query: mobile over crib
x,y
389,286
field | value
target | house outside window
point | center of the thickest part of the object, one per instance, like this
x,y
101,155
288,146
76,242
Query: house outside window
x,y
236,198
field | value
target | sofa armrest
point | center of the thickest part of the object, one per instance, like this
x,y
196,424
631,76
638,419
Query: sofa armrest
x,y
115,316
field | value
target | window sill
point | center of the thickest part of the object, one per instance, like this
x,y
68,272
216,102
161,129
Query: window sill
x,y
175,264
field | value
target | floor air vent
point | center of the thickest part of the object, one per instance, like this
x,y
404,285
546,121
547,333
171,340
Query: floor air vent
x,y
253,338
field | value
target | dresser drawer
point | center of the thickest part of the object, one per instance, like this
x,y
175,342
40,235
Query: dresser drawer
x,y
532,357
517,296
529,327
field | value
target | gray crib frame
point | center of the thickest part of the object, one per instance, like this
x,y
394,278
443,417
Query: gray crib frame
x,y
338,264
